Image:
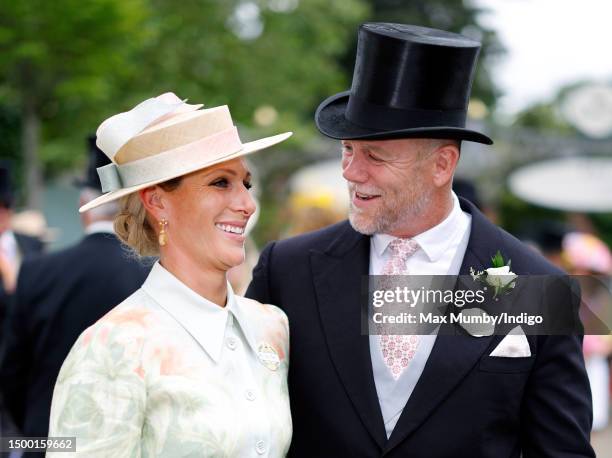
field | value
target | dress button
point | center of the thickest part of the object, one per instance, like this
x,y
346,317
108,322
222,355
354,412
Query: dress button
x,y
232,343
260,447
250,395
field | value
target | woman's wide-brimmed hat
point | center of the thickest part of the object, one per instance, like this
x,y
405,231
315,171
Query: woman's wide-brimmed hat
x,y
164,138
408,82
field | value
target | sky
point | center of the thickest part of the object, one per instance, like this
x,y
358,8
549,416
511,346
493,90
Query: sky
x,y
550,43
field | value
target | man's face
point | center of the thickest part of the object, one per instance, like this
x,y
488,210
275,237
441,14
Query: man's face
x,y
390,182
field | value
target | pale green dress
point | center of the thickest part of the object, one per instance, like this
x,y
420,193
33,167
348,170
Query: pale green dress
x,y
167,373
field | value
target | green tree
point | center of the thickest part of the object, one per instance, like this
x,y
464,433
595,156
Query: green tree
x,y
290,60
66,65
55,60
543,116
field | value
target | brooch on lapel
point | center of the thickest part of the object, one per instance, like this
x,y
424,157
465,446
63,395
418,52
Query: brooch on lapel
x,y
499,276
268,356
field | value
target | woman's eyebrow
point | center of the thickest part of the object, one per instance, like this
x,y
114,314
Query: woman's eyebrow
x,y
228,171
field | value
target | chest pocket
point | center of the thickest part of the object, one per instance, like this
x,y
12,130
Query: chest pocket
x,y
505,365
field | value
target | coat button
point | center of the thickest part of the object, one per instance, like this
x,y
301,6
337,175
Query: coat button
x,y
250,395
231,342
260,447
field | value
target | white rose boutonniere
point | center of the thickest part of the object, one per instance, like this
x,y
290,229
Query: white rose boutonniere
x,y
499,277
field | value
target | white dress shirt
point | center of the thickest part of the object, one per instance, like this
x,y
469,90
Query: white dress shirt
x,y
106,227
9,248
441,252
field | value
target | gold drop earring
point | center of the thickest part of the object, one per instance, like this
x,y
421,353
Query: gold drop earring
x,y
162,239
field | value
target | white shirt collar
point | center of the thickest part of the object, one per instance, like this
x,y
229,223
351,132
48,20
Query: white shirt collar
x,y
204,320
8,238
8,245
100,226
434,241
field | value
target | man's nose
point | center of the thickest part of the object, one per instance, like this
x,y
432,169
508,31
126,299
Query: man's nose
x,y
354,168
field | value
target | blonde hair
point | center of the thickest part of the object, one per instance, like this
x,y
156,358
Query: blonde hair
x,y
133,225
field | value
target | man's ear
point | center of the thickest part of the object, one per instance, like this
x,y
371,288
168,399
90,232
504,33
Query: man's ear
x,y
445,164
153,201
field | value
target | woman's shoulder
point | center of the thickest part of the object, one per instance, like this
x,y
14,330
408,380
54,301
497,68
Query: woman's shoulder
x,y
266,312
269,325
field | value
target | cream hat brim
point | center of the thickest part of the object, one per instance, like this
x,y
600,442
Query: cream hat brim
x,y
247,148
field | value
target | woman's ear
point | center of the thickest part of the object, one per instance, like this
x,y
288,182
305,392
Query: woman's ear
x,y
153,201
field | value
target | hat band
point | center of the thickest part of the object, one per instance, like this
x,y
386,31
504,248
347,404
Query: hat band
x,y
172,163
370,115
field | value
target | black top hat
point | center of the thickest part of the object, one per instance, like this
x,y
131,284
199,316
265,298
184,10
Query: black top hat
x,y
6,187
409,82
96,159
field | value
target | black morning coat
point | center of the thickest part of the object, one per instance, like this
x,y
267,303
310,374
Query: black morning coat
x,y
466,404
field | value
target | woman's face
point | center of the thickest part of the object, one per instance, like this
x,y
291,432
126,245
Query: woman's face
x,y
207,215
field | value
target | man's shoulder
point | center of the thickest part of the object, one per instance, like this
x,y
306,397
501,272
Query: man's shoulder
x,y
28,244
45,261
94,252
525,260
486,239
42,262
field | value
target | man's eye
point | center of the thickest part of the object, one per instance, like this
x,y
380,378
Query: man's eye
x,y
375,159
220,183
247,184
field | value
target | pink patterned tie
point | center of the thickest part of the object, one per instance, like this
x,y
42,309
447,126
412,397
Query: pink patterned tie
x,y
398,350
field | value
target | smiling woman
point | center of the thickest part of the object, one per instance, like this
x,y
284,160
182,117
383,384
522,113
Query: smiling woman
x,y
183,367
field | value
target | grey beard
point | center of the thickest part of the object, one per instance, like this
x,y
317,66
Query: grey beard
x,y
389,221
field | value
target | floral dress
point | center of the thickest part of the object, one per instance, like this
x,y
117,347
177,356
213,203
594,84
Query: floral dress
x,y
167,373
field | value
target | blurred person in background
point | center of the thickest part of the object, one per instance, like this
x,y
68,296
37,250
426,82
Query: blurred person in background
x,y
182,367
311,211
58,296
588,257
317,198
546,237
34,224
450,394
14,248
467,189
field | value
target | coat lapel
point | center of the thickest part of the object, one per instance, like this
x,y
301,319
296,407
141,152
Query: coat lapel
x,y
452,356
338,275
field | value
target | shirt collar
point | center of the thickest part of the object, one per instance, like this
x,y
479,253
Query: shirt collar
x,y
204,320
434,241
100,226
7,238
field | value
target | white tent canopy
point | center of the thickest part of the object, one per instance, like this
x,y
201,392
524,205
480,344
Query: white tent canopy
x,y
581,184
